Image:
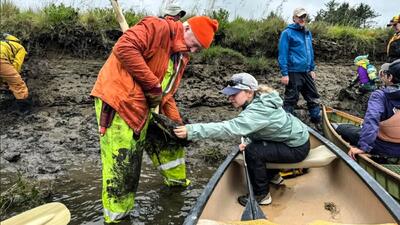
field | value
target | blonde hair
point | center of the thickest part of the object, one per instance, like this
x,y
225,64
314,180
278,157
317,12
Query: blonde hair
x,y
264,89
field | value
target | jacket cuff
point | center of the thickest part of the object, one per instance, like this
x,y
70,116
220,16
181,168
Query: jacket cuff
x,y
365,147
189,130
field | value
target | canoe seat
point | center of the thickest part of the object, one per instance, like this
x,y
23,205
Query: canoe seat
x,y
317,157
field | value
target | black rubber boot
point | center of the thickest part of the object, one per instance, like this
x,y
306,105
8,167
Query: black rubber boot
x,y
22,106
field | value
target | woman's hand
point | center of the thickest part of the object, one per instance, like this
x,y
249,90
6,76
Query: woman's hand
x,y
181,132
353,151
242,147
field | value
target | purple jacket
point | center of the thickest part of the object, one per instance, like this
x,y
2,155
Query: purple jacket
x,y
380,107
362,75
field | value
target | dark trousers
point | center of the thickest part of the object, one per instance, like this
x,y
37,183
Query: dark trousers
x,y
304,84
349,133
261,152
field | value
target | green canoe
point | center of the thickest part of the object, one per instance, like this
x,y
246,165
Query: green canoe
x,y
387,175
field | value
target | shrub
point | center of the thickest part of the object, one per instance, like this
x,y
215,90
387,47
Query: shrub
x,y
133,18
55,15
99,19
259,65
221,16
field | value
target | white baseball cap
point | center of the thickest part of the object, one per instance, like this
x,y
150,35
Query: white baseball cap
x,y
239,82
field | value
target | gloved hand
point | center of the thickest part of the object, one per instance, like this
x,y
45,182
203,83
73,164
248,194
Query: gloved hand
x,y
153,96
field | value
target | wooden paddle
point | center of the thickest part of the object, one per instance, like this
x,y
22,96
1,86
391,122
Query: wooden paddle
x,y
124,26
252,211
48,214
120,17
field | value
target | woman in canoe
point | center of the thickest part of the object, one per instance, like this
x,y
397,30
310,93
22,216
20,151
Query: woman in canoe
x,y
380,132
270,134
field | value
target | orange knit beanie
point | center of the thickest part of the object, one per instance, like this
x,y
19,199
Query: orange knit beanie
x,y
203,28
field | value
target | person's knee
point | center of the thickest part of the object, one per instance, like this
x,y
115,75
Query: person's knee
x,y
251,152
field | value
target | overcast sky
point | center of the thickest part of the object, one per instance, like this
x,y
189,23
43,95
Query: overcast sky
x,y
252,9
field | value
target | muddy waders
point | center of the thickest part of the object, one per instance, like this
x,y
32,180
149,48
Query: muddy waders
x,y
121,159
121,156
170,159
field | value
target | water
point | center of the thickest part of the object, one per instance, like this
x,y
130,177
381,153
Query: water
x,y
155,204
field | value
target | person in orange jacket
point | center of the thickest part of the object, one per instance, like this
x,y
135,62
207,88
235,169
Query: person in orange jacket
x,y
143,72
12,55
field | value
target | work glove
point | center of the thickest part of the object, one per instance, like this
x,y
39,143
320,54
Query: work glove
x,y
153,96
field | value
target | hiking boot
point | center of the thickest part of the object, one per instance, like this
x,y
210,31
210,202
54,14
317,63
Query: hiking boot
x,y
265,199
277,179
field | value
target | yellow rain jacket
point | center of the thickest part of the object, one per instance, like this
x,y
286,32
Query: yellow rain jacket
x,y
12,51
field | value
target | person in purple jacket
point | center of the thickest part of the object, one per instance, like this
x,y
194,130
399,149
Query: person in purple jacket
x,y
380,131
366,74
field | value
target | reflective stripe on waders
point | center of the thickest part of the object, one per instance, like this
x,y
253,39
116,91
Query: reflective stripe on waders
x,y
115,216
171,164
186,182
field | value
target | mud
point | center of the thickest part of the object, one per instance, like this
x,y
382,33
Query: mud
x,y
60,134
332,208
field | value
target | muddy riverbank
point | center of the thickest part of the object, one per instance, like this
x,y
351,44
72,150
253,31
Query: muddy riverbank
x,y
57,142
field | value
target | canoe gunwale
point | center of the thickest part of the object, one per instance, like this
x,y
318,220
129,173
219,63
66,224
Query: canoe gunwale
x,y
385,170
201,202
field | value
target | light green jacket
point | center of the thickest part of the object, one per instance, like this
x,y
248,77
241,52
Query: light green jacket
x,y
263,119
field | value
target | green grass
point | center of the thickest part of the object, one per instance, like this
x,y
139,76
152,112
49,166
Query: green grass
x,y
23,195
217,53
8,9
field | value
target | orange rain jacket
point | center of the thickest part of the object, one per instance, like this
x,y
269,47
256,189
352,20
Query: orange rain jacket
x,y
138,62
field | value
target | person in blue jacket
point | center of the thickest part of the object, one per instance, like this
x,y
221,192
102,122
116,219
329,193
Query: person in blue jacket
x,y
380,131
296,62
270,134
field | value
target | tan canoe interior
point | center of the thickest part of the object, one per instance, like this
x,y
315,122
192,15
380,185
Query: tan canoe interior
x,y
333,193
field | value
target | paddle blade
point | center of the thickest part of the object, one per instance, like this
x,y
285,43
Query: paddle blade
x,y
252,211
48,214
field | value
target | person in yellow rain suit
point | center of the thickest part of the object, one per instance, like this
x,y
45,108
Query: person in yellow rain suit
x,y
393,47
12,55
142,72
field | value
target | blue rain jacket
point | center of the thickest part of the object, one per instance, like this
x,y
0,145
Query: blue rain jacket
x,y
296,53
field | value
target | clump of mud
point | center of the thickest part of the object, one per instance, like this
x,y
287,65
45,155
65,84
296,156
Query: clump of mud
x,y
332,208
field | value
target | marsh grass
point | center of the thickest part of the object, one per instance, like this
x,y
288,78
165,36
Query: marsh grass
x,y
24,194
212,155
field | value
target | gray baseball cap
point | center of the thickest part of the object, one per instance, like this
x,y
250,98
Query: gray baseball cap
x,y
174,10
385,67
239,82
299,12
